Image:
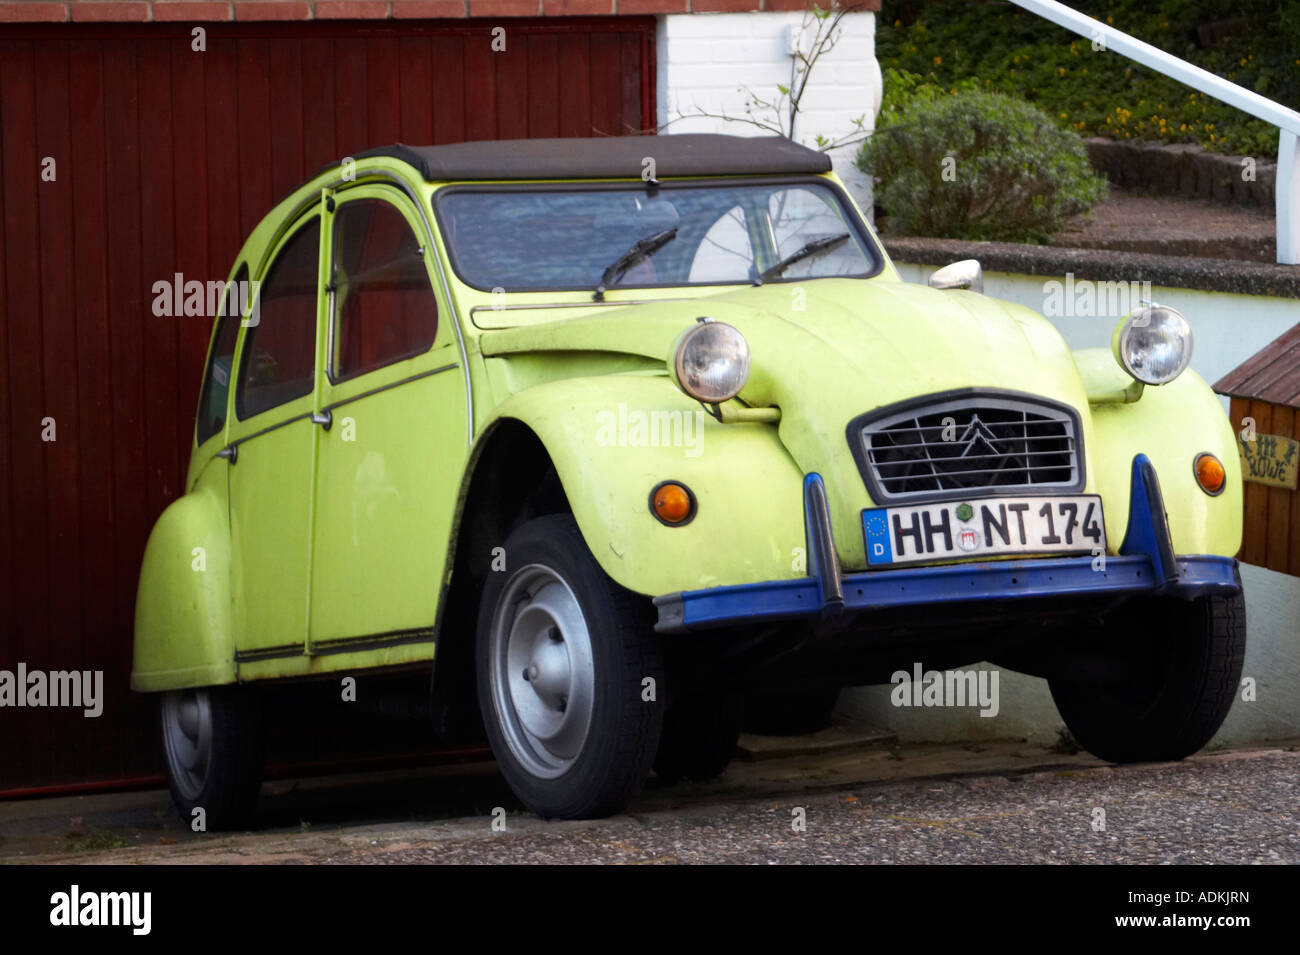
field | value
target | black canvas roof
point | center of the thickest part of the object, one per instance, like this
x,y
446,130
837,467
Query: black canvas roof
x,y
609,157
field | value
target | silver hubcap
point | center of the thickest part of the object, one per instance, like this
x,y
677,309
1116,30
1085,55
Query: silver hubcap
x,y
542,675
187,735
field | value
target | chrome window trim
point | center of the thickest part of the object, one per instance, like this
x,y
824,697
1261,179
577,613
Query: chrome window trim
x,y
380,389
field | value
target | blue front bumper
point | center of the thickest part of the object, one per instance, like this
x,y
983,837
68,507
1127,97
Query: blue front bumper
x,y
1146,564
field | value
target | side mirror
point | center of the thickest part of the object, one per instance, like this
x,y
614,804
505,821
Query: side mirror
x,y
964,274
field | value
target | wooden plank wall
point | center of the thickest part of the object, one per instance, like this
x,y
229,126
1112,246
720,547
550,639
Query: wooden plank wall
x,y
165,159
1271,535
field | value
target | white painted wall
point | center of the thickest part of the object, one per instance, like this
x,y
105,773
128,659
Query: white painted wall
x,y
1026,710
705,61
1228,329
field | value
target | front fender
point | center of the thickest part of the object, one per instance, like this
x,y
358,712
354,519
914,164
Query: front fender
x,y
610,454
1171,424
184,632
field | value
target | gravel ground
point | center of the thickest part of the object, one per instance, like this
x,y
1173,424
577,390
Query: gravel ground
x,y
923,803
1238,808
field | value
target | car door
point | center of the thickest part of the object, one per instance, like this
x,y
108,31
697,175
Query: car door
x,y
390,464
272,443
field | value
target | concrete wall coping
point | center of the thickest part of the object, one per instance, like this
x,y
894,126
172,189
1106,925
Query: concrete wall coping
x,y
1105,265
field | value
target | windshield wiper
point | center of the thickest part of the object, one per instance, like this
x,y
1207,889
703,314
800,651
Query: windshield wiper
x,y
815,247
641,249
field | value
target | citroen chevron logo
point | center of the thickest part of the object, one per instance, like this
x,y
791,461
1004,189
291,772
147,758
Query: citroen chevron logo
x,y
978,438
950,446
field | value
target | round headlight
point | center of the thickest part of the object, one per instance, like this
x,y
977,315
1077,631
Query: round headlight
x,y
711,363
1153,344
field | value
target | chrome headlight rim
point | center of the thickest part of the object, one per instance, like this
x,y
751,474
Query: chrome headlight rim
x,y
693,338
1122,338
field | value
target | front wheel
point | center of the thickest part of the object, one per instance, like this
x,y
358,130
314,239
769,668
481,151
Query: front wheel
x,y
569,676
1183,664
212,740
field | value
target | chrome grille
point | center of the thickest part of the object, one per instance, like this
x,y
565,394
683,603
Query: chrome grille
x,y
969,445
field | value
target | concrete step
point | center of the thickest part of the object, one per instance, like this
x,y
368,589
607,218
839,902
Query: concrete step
x,y
838,737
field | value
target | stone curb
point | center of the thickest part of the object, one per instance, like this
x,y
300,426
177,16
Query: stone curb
x,y
1104,265
1184,170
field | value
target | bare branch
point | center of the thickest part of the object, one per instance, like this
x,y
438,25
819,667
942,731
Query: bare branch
x,y
786,106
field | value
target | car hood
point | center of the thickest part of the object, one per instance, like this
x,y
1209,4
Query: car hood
x,y
827,350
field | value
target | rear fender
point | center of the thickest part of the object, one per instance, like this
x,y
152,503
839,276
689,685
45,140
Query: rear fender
x,y
184,632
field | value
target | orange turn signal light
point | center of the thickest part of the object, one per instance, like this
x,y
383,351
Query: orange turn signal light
x,y
672,503
1209,473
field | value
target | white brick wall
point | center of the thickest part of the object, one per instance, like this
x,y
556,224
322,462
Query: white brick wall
x,y
707,60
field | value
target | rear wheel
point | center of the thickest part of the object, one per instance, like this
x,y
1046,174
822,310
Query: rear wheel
x,y
569,674
699,737
212,739
790,712
1184,662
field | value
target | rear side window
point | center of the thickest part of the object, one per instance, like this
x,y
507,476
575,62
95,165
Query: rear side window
x,y
279,355
385,309
213,399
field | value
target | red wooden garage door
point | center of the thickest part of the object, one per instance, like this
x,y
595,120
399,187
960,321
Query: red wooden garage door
x,y
163,159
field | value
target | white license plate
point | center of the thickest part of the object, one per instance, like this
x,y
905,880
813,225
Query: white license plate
x,y
984,527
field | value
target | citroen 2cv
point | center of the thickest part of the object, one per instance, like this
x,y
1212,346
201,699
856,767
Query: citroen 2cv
x,y
602,432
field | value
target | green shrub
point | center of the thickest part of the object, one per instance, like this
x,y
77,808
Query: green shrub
x,y
1005,49
975,165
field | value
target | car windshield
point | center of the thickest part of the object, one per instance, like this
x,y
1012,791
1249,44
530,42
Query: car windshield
x,y
559,238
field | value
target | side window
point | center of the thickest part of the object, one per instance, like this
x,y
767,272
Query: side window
x,y
221,363
384,307
279,355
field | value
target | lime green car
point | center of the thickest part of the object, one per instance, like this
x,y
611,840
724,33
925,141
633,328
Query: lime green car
x,y
607,433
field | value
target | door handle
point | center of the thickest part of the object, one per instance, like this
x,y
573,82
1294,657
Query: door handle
x,y
324,418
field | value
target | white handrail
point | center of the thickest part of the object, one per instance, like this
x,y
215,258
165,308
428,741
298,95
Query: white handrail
x,y
1287,191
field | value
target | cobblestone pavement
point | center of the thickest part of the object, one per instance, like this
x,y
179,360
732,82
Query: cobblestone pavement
x,y
991,804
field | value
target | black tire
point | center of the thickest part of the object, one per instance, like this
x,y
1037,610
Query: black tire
x,y
1189,657
790,712
224,777
601,771
699,737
